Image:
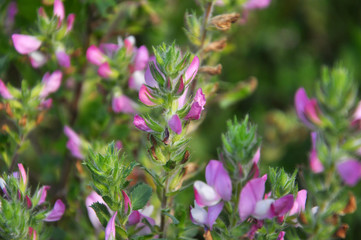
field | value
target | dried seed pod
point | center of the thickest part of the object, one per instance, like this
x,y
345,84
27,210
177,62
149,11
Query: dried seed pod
x,y
207,235
8,110
223,22
351,205
23,121
216,46
341,231
212,70
40,118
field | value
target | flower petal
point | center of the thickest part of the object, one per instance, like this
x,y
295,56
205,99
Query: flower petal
x,y
281,235
350,171
24,177
141,58
70,22
110,229
127,203
300,203
301,100
145,96
90,200
283,205
95,56
59,10
140,123
205,195
123,104
134,218
37,59
213,213
198,215
4,92
51,83
25,44
218,178
197,106
175,124
256,4
42,194
252,192
63,59
56,213
192,70
262,209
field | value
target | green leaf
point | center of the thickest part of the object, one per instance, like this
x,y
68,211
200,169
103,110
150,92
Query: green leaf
x,y
102,213
140,195
174,219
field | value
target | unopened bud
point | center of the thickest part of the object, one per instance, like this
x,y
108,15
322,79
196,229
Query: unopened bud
x,y
351,205
223,22
216,46
185,157
341,231
212,70
176,180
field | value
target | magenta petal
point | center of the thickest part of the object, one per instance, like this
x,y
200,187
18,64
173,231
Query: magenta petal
x,y
140,123
110,229
311,111
46,104
59,9
315,163
4,92
141,58
205,195
25,44
301,100
56,213
213,213
252,192
127,203
300,203
123,104
192,70
182,99
256,156
149,80
218,178
37,59
63,59
350,171
281,235
42,193
109,48
95,56
104,70
90,200
134,218
256,4
145,96
197,106
175,124
51,83
23,173
281,206
70,22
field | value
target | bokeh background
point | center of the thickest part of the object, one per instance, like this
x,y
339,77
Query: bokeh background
x,y
283,46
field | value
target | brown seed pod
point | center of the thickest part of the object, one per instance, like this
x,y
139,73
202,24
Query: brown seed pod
x,y
223,22
341,231
351,205
216,46
212,70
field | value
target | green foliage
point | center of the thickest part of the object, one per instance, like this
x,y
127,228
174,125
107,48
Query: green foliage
x,y
281,182
140,195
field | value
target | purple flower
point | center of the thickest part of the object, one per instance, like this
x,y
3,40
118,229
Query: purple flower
x,y
23,174
63,59
218,185
95,56
140,123
123,104
141,58
251,202
51,83
74,143
42,194
37,59
315,163
70,22
105,71
256,4
110,229
350,171
45,104
127,202
300,203
136,218
90,200
25,44
192,70
118,145
307,109
4,92
201,217
109,48
175,124
281,235
56,213
197,106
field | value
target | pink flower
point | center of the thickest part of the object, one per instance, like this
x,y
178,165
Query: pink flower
x,y
74,143
350,171
105,71
251,202
192,70
63,59
95,56
23,174
141,58
56,213
11,13
315,163
256,4
70,22
307,109
175,124
218,185
90,200
281,235
300,203
201,217
46,104
127,203
136,80
119,145
37,59
25,44
51,83
110,229
197,106
42,194
4,92
123,104
145,96
59,10
356,117
136,218
140,123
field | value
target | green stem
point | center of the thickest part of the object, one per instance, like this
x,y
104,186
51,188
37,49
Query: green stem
x,y
164,205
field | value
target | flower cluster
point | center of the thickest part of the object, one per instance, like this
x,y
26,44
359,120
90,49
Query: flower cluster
x,y
20,208
57,26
